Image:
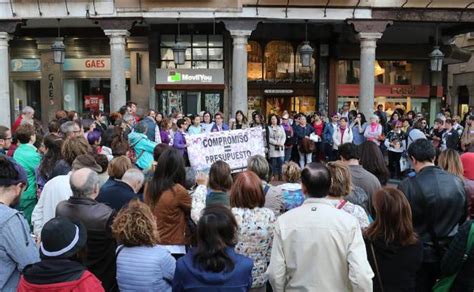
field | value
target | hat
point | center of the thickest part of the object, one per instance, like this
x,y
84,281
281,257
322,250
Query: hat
x,y
20,178
86,161
467,160
62,237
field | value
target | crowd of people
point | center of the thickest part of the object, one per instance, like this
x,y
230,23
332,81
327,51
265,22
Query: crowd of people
x,y
111,203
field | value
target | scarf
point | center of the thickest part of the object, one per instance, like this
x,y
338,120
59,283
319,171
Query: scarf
x,y
343,130
373,127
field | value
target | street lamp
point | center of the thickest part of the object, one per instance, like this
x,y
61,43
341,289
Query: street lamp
x,y
179,50
436,59
436,56
58,48
306,51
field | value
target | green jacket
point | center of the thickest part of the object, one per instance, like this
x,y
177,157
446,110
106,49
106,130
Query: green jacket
x,y
27,156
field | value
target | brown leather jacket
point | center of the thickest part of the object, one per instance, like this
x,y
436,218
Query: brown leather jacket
x,y
171,211
97,218
469,188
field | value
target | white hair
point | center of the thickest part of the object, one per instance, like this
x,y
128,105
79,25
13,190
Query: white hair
x,y
28,110
133,175
375,117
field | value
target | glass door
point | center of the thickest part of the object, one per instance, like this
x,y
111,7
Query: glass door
x,y
27,92
193,102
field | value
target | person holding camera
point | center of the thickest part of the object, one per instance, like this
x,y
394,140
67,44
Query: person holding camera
x,y
276,145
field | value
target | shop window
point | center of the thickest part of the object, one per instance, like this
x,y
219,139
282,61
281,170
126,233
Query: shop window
x,y
386,72
279,61
254,61
348,72
305,74
189,102
83,95
203,51
255,104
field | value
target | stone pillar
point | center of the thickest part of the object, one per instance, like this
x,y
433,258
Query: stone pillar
x,y
368,43
117,67
239,71
240,31
52,98
368,32
5,114
139,73
323,105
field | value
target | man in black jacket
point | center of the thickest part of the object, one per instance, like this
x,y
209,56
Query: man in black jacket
x,y
97,218
120,192
450,136
438,204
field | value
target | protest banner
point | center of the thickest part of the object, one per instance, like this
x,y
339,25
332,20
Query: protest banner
x,y
233,147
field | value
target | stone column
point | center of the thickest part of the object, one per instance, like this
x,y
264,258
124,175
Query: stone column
x,y
240,31
5,115
52,98
368,43
368,33
117,67
323,105
239,70
139,73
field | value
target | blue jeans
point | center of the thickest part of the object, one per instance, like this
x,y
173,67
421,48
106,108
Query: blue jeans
x,y
276,163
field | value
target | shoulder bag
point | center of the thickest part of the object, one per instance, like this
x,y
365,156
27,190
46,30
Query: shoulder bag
x,y
379,277
445,284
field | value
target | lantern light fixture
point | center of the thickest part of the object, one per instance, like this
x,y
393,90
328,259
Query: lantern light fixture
x,y
58,48
179,49
436,56
306,51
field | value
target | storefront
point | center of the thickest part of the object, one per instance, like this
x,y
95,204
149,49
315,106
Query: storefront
x,y
277,79
398,85
25,85
87,83
81,84
198,84
190,91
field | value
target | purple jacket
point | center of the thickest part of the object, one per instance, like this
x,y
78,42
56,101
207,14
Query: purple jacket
x,y
165,137
179,142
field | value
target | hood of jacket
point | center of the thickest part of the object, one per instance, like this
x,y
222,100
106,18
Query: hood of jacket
x,y
134,137
6,213
53,271
210,278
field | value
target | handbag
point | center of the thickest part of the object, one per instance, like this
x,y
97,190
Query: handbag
x,y
404,165
445,284
306,146
379,278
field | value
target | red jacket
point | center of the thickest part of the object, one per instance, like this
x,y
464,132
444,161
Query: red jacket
x,y
86,283
17,123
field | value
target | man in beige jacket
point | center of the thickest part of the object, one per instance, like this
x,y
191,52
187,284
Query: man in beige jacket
x,y
317,247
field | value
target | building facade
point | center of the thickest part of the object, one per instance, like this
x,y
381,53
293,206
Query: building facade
x,y
239,55
461,78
